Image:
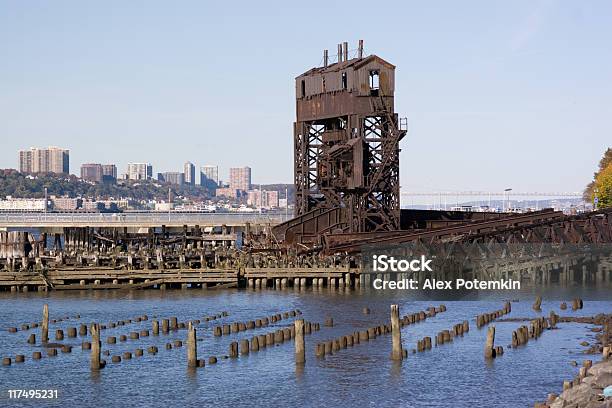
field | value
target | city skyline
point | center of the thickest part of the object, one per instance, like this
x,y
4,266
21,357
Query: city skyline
x,y
30,162
484,112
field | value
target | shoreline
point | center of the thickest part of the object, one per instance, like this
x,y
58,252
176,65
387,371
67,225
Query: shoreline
x,y
586,389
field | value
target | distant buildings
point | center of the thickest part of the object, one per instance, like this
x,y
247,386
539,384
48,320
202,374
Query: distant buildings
x,y
262,199
189,173
228,192
240,178
92,172
140,171
109,171
45,160
99,172
56,160
209,174
172,177
22,205
66,203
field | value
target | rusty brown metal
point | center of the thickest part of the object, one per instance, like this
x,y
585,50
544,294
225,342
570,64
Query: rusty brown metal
x,y
346,173
538,227
346,143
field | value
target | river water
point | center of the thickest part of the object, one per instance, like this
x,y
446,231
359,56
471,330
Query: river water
x,y
454,374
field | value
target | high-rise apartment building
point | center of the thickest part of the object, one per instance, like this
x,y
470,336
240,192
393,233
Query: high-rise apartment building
x,y
25,161
189,172
110,171
240,178
209,173
139,171
92,172
46,160
172,177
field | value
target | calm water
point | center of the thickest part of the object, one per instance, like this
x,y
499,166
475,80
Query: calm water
x,y
453,374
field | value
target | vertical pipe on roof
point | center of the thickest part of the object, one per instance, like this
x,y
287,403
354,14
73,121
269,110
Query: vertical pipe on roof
x,y
339,52
325,58
360,50
345,47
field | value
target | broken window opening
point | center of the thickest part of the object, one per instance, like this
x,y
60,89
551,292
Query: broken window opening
x,y
344,81
374,82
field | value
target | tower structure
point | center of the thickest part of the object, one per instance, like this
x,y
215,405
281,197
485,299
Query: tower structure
x,y
346,142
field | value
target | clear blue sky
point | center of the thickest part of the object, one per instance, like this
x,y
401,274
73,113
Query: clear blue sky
x,y
497,93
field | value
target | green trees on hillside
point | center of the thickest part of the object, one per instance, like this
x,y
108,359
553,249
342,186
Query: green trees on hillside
x,y
13,183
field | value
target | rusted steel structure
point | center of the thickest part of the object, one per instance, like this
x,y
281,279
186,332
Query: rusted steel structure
x,y
346,145
346,168
545,226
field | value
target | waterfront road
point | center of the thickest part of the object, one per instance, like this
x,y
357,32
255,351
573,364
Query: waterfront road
x,y
138,220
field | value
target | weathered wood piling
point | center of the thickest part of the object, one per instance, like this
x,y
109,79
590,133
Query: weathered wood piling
x,y
44,335
396,335
300,349
233,349
95,347
489,351
537,305
192,351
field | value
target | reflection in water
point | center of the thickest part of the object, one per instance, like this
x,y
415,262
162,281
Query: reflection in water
x,y
360,375
395,371
299,373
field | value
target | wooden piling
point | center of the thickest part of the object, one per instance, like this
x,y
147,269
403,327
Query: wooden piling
x,y
255,343
328,347
489,352
286,334
320,350
233,349
155,327
262,341
300,353
44,337
192,352
537,306
95,347
396,335
244,347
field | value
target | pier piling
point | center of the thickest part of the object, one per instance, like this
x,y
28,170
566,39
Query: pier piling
x,y
489,351
95,347
192,352
300,354
44,336
233,350
396,352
